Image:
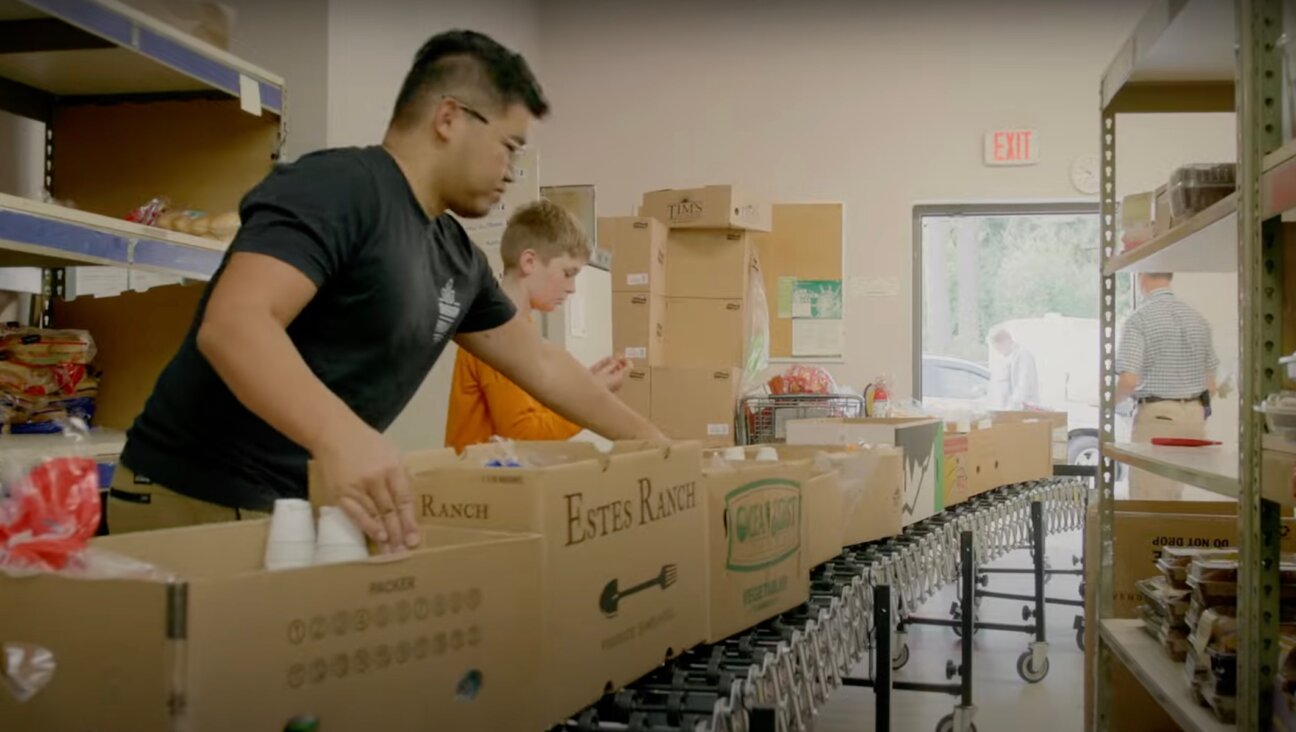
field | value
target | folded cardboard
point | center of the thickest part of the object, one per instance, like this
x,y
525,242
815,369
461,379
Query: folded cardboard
x,y
704,332
636,391
638,247
709,263
755,529
639,327
922,441
625,552
695,403
711,207
1057,420
1023,453
442,637
969,467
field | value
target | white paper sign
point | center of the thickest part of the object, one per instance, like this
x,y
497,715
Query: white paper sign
x,y
636,280
718,430
250,95
816,338
636,353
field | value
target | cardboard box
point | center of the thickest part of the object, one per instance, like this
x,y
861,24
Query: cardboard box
x,y
1058,421
389,643
695,403
709,263
868,505
922,441
638,247
705,332
756,533
970,465
625,552
712,207
636,391
1023,453
639,328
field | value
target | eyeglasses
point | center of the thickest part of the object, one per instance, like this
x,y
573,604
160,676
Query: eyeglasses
x,y
514,149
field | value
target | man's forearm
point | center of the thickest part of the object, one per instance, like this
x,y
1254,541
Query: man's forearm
x,y
566,387
1126,385
275,384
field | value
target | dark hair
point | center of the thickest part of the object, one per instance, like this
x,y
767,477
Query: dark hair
x,y
460,60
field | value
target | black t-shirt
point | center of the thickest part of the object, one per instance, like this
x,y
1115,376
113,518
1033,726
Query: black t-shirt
x,y
394,287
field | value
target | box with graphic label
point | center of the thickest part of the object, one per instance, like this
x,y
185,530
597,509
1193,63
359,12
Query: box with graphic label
x,y
922,441
755,531
442,637
624,551
638,246
711,207
639,327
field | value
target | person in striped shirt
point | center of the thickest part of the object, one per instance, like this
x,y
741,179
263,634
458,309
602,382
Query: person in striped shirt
x,y
1166,363
543,249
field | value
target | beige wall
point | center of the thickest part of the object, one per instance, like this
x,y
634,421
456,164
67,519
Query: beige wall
x,y
879,105
371,45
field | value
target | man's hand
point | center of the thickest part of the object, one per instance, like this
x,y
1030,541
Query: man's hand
x,y
363,472
611,372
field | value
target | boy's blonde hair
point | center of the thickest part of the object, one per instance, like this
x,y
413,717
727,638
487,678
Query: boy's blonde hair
x,y
547,229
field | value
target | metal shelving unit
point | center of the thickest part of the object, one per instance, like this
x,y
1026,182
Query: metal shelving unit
x,y
1205,56
132,109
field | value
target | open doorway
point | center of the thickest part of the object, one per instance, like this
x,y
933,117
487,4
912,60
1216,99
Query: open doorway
x,y
1009,303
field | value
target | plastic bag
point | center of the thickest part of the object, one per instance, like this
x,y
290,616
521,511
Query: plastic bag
x,y
757,351
803,380
25,669
46,347
49,510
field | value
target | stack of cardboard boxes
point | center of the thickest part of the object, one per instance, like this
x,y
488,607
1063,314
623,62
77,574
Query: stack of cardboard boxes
x,y
680,276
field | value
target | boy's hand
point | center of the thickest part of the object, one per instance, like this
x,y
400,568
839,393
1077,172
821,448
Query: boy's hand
x,y
611,372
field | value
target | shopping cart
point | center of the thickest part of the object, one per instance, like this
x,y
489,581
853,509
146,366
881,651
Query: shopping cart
x,y
762,419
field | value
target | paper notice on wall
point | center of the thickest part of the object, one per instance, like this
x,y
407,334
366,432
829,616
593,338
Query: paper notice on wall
x,y
786,285
576,310
817,299
875,287
821,338
249,95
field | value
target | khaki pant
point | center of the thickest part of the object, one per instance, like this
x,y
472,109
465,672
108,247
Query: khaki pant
x,y
1164,419
146,507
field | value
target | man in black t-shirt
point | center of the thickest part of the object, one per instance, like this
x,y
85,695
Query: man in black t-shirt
x,y
342,288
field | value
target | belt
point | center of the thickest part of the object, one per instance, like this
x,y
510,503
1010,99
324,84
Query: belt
x,y
1154,399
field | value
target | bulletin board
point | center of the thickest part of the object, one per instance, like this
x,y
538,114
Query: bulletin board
x,y
801,260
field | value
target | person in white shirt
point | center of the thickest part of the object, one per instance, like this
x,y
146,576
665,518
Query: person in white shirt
x,y
1014,380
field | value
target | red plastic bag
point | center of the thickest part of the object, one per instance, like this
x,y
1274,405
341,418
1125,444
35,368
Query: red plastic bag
x,y
803,380
50,515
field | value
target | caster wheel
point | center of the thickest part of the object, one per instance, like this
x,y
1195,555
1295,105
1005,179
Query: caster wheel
x,y
1080,639
901,658
947,725
1028,671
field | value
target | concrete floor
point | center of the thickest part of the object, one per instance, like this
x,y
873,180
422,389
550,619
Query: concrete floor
x,y
1005,703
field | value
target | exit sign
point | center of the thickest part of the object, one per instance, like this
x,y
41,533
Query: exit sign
x,y
1011,147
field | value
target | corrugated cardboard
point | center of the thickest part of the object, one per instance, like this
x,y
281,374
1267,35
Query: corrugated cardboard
x,y
709,263
625,547
712,207
638,247
704,332
639,328
755,528
636,391
1058,421
969,463
921,439
1023,452
228,646
695,403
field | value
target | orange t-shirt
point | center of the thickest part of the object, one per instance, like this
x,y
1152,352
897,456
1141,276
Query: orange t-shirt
x,y
484,403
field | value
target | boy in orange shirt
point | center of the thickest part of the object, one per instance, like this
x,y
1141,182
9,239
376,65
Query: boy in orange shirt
x,y
544,248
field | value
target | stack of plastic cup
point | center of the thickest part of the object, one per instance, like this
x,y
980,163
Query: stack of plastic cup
x,y
339,539
291,542
735,454
767,454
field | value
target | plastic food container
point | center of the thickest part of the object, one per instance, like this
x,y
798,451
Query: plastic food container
x,y
1195,188
1279,410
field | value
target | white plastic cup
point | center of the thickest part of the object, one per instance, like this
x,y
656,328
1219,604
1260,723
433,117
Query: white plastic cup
x,y
767,455
338,538
291,542
735,454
